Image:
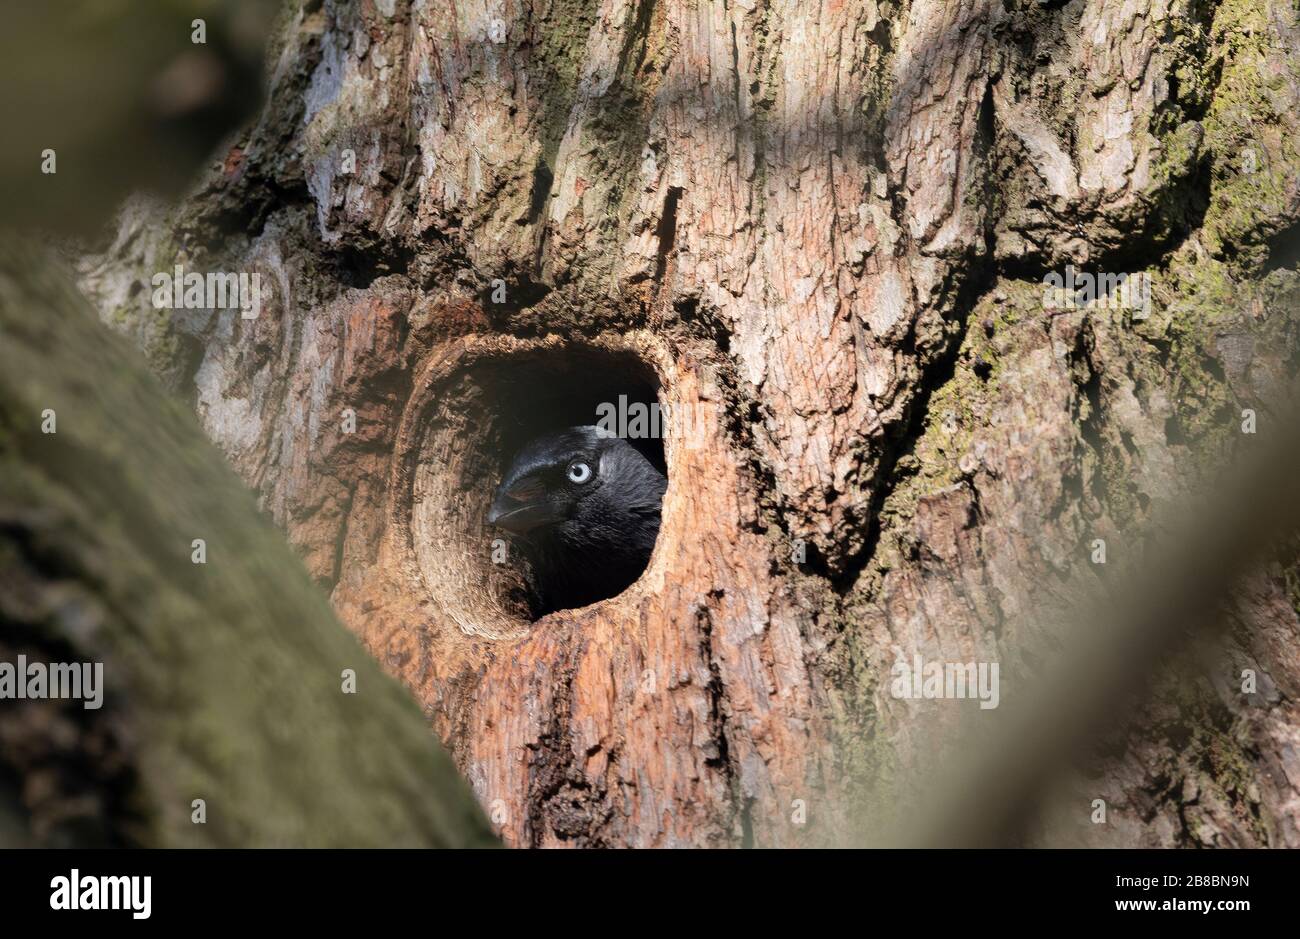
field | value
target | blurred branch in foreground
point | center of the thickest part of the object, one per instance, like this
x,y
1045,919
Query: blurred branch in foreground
x,y
1108,655
225,679
116,97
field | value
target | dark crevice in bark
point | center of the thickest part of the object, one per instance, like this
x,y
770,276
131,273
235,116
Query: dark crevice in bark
x,y
701,322
873,138
522,293
242,210
553,45
1195,104
359,266
340,540
971,278
637,38
1284,250
901,443
1179,212
543,179
722,759
666,233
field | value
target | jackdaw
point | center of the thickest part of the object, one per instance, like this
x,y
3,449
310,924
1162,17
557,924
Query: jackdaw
x,y
584,508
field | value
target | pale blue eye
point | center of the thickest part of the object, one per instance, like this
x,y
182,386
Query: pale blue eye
x,y
579,472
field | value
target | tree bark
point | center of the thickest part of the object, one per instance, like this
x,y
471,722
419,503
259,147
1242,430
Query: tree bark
x,y
824,232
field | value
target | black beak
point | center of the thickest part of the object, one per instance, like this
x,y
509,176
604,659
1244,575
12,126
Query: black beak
x,y
517,517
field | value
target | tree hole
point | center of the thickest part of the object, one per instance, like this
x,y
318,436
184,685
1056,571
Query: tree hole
x,y
473,423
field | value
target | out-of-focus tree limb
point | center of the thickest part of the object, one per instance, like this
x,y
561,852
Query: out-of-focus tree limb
x,y
1111,650
124,97
224,679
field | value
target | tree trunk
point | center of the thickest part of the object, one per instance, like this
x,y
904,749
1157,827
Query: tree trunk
x,y
822,232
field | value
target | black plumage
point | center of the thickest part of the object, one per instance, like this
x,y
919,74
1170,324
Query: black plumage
x,y
584,508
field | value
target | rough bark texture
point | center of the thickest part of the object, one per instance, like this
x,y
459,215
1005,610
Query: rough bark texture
x,y
826,225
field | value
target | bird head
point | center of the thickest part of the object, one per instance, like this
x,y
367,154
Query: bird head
x,y
572,474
